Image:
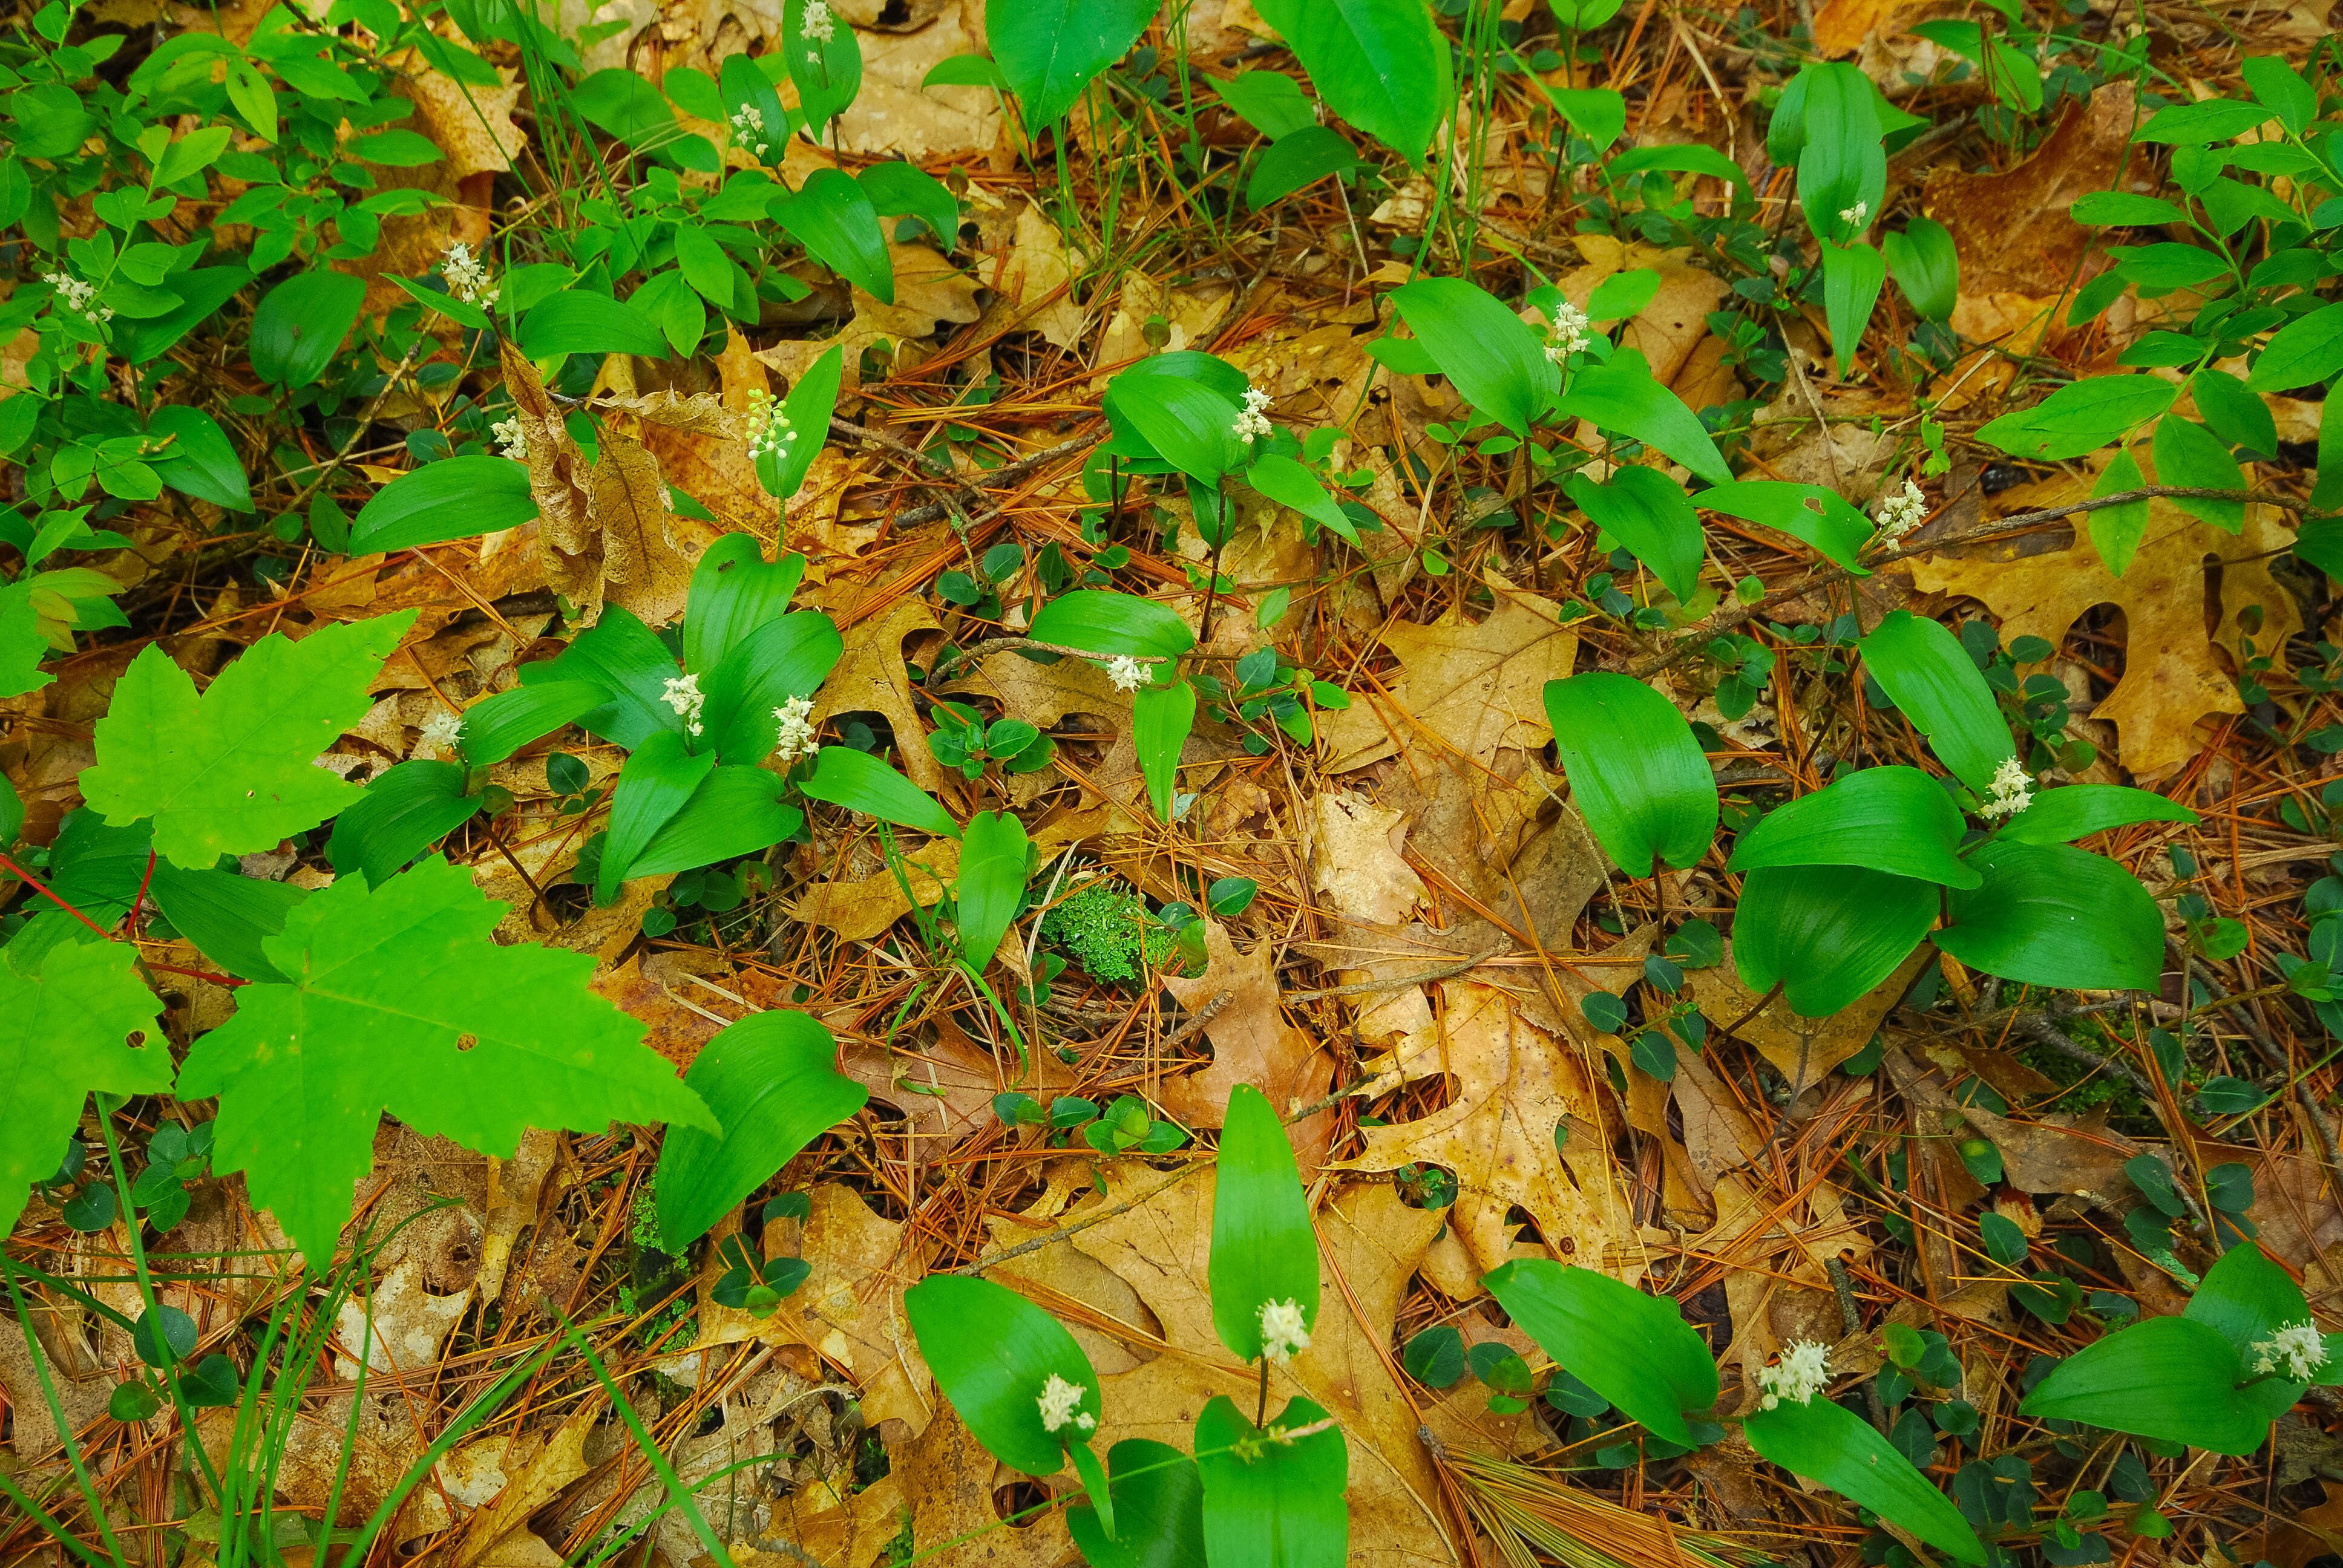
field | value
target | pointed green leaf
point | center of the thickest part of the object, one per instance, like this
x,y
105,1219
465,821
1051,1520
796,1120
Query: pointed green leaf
x,y
1160,719
67,1029
1190,424
660,776
1281,1505
1636,774
497,726
860,782
1050,50
783,659
1634,1350
1159,1510
1381,64
625,658
299,326
902,189
2075,811
2186,453
2053,915
1889,819
452,498
1815,514
834,220
828,71
2170,1378
2115,531
1622,396
2083,416
1264,1251
404,812
1649,513
1852,276
1935,683
1290,484
580,321
1495,359
992,856
1927,266
2246,1298
227,916
2304,352
1098,621
735,811
1296,162
993,1352
1826,934
1828,1443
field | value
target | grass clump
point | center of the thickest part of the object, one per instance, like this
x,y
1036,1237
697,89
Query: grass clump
x,y
1105,928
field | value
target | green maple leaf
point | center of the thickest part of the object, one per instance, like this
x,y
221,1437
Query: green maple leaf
x,y
400,1000
231,772
65,1030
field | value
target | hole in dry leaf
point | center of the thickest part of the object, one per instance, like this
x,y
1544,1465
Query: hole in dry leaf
x,y
1015,1498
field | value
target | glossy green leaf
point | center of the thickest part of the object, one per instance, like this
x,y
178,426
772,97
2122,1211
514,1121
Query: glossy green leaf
x,y
1852,276
1099,621
993,853
1636,774
1188,423
827,72
809,408
774,1083
1890,819
300,325
735,811
660,776
783,659
497,726
860,782
1159,1510
1649,513
2082,416
1826,934
903,189
1290,484
2115,531
231,772
1296,162
1160,719
452,498
1050,50
625,658
2169,1378
2073,811
1263,1250
2186,453
1829,1443
199,461
404,812
1380,65
580,321
1927,266
1494,359
2235,415
1814,515
1634,1350
2304,352
2050,914
1844,163
201,290
1269,101
225,915
1622,295
1935,683
621,103
745,86
833,218
2246,1298
1280,1506
992,1352
1622,396
2280,88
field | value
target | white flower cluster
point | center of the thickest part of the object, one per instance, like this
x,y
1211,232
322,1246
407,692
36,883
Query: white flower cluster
x,y
509,438
74,295
1283,1336
467,276
1859,215
1254,420
1801,1373
440,732
2297,1347
749,129
1902,512
1565,334
2012,792
796,739
817,24
769,430
683,693
1128,673
1057,1401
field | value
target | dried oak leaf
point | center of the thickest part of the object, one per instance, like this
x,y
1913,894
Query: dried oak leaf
x,y
2172,676
849,1310
1252,1044
870,678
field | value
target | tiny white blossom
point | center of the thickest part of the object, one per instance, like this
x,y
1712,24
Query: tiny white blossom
x,y
1057,1401
796,732
2297,1346
1565,332
1283,1336
1254,420
467,277
1801,1373
509,436
769,430
817,22
749,129
1858,215
1901,513
440,732
683,693
1128,673
74,295
2012,792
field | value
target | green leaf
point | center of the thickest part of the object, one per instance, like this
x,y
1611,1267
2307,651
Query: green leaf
x,y
1263,1250
2083,416
66,1028
1495,360
1826,934
1852,276
992,856
580,321
1935,683
225,915
964,71
745,86
1188,423
1891,818
1649,513
2246,1298
992,1352
229,772
828,71
1099,621
1159,1510
2123,209
452,498
1636,774
1379,63
403,1002
2075,811
2280,88
896,189
201,291
1269,101
783,659
2052,915
1815,514
401,814
2169,1378
1160,719
625,658
1297,162
807,407
1050,50
2235,415
834,220
1927,266
621,103
660,776
774,1083
735,811
2186,453
2304,352
1844,160
497,726
1281,1505
2115,531
860,782
1622,396
1692,158
1828,1443
299,326
2200,124
1636,1351
1290,484
199,462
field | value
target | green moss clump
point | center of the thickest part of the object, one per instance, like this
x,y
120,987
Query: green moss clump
x,y
1105,928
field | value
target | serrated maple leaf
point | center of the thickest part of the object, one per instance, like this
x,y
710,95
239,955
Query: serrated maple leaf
x,y
65,1030
401,1001
230,772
